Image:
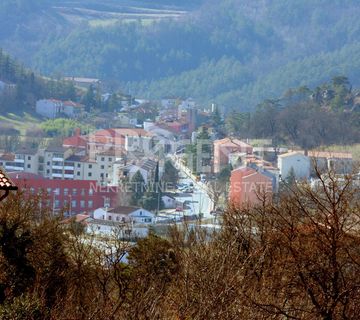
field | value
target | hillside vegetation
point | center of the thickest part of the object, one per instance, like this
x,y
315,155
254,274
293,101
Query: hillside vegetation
x,y
234,52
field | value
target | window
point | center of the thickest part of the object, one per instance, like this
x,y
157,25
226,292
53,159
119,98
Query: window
x,y
74,192
141,213
57,191
102,167
103,217
82,203
73,204
78,165
101,175
90,204
89,174
66,191
147,219
110,217
91,191
57,204
110,159
102,159
78,173
47,171
48,190
32,190
29,157
83,192
48,163
117,218
90,166
29,166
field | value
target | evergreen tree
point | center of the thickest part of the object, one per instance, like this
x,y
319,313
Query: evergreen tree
x,y
137,188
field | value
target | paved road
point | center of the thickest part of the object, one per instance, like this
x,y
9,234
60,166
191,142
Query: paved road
x,y
200,202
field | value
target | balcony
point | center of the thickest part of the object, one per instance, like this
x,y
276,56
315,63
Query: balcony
x,y
69,168
68,176
19,160
14,168
58,167
57,175
57,159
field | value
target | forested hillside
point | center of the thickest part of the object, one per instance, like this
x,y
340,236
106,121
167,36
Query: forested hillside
x,y
23,87
234,52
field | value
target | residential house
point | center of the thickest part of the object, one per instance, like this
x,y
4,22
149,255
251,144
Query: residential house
x,y
49,108
339,162
248,187
72,109
170,201
125,214
77,141
224,147
146,167
296,161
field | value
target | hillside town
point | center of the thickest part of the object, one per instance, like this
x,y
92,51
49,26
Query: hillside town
x,y
121,175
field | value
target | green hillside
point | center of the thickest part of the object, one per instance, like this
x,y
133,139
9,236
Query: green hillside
x,y
234,52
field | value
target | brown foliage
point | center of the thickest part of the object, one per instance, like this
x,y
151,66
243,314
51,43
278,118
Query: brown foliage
x,y
294,259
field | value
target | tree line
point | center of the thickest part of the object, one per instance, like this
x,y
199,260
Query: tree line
x,y
304,117
24,87
297,258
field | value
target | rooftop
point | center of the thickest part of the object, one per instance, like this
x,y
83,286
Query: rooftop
x,y
123,209
5,182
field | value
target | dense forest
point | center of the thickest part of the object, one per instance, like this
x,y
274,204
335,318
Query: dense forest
x,y
232,52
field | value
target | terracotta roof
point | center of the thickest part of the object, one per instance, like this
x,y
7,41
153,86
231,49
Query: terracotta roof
x,y
79,218
5,182
75,141
232,143
73,104
7,157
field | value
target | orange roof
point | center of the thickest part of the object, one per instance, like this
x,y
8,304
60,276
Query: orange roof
x,y
75,141
73,104
7,157
229,142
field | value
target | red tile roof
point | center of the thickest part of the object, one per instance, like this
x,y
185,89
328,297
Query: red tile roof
x,y
5,182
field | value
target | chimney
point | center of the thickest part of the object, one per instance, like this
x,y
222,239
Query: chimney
x,y
77,132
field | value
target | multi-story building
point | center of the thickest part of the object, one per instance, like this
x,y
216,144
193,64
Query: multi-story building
x,y
249,187
54,165
71,196
52,108
21,160
224,147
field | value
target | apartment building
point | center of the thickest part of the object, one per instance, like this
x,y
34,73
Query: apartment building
x,y
21,160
